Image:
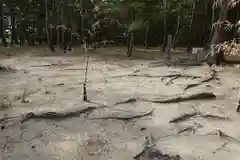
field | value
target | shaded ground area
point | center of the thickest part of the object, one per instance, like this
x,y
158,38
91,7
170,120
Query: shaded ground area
x,y
54,83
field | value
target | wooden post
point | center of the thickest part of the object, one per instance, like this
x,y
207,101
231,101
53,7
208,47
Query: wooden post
x,y
169,47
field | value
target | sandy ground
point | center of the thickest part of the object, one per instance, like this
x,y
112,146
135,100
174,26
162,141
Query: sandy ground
x,y
59,88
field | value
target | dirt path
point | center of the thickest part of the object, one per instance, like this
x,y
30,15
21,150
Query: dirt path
x,y
54,83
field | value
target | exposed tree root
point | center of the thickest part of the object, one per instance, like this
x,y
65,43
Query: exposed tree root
x,y
153,153
7,69
180,75
172,79
130,100
45,65
55,115
192,129
187,129
148,145
219,148
211,116
172,76
72,69
6,118
101,105
156,65
186,116
139,75
223,135
183,117
156,62
150,152
176,63
61,116
188,64
199,83
196,96
126,118
51,65
158,76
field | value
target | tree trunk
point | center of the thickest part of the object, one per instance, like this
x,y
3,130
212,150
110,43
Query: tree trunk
x,y
62,24
131,37
57,28
206,25
146,36
191,27
46,24
212,30
130,43
218,35
165,25
82,32
178,25
1,22
69,34
70,39
83,37
82,20
2,25
13,20
219,32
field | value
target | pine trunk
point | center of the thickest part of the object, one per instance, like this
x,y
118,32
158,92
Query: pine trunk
x,y
191,26
178,26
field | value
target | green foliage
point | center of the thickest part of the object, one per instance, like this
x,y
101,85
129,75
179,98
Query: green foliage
x,y
31,13
136,25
